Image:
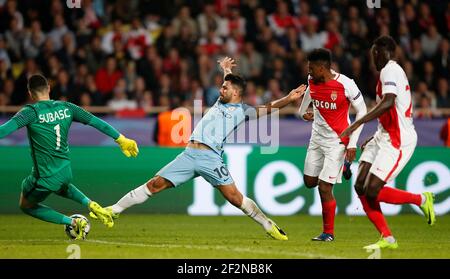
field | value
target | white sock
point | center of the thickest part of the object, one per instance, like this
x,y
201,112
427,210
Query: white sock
x,y
424,199
250,208
136,196
390,239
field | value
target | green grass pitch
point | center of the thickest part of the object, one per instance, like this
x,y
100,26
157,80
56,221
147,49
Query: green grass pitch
x,y
188,237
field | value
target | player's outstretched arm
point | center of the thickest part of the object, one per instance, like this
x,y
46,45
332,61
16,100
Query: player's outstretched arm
x,y
294,95
24,117
8,128
128,146
386,103
303,110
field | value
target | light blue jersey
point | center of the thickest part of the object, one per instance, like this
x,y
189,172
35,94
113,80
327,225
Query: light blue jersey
x,y
213,129
220,121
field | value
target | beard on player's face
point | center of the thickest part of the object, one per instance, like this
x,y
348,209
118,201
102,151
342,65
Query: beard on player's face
x,y
225,97
317,76
316,72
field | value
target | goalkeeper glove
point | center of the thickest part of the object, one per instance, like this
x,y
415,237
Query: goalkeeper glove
x,y
128,146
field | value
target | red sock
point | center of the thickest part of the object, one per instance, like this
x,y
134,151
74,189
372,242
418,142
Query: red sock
x,y
373,212
396,196
328,213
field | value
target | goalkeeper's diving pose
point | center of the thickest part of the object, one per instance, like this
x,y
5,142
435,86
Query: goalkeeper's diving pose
x,y
48,124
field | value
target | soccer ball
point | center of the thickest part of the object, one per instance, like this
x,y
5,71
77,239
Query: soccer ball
x,y
70,231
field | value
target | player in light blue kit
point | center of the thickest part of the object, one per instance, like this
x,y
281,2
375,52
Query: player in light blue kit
x,y
203,154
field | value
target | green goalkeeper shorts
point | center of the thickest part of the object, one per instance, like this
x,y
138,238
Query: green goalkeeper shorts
x,y
36,190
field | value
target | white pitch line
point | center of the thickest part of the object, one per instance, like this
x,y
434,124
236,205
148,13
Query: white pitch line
x,y
198,247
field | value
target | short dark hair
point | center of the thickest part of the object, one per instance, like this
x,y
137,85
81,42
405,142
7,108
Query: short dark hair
x,y
320,55
37,83
237,81
386,42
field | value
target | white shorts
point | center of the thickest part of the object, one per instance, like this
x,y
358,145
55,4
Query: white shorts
x,y
325,161
387,161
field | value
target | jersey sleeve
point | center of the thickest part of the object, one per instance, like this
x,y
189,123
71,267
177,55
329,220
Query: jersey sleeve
x,y
24,117
87,118
305,103
8,128
388,79
80,114
352,91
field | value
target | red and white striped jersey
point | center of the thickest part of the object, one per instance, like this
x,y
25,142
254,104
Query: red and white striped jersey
x,y
396,124
331,101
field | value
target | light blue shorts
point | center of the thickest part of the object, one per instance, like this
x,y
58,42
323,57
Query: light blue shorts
x,y
197,162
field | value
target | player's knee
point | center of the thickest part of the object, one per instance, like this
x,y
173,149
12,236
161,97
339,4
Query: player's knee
x,y
236,201
24,205
372,192
158,184
310,182
359,188
153,187
325,189
25,208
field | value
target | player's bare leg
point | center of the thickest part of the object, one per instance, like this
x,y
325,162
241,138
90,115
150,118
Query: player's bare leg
x,y
363,171
310,181
249,207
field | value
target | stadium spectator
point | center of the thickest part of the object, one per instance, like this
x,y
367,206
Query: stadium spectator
x,y
14,37
281,20
20,95
34,39
256,33
250,62
4,56
94,54
170,119
310,38
115,34
442,59
184,19
59,30
430,41
107,77
137,39
120,100
63,90
445,133
443,93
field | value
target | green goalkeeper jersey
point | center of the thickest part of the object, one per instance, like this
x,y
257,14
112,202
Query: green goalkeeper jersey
x,y
48,124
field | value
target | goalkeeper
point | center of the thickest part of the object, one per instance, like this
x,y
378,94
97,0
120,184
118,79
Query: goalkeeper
x,y
48,124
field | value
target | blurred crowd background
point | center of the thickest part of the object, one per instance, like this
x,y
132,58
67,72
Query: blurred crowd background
x,y
137,55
